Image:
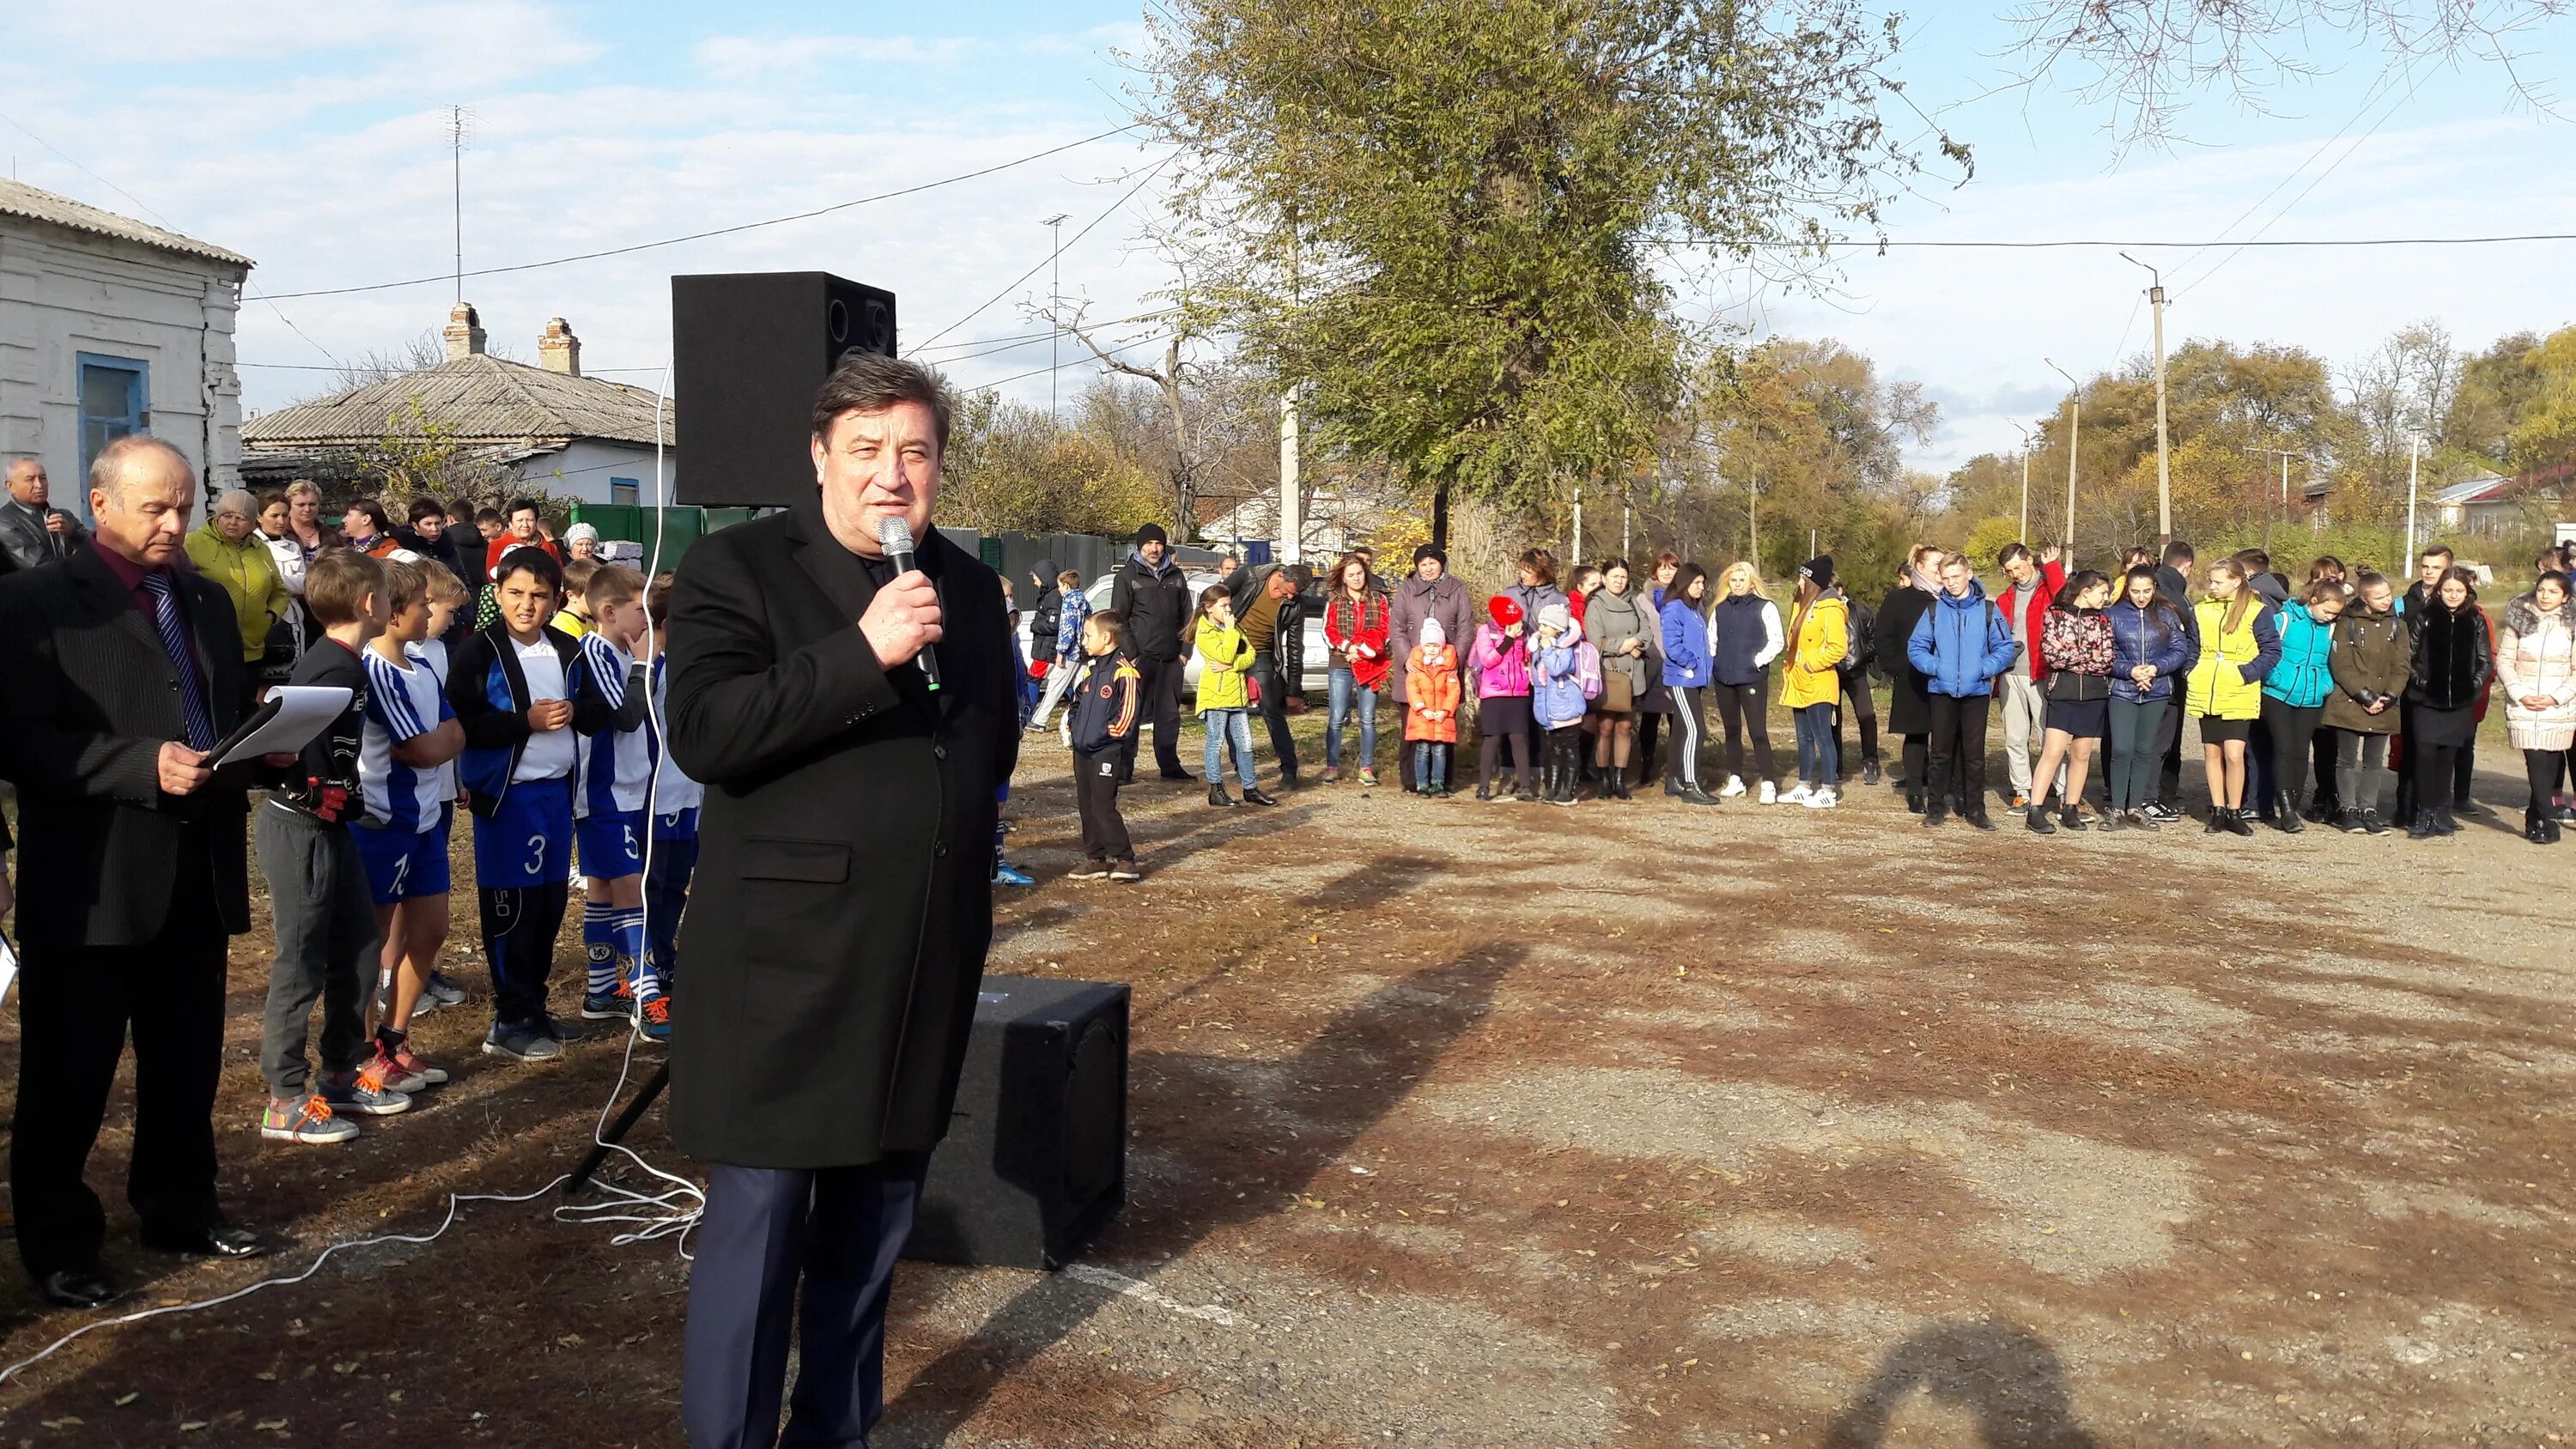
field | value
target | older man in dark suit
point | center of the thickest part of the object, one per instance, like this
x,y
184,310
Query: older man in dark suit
x,y
34,533
121,672
843,901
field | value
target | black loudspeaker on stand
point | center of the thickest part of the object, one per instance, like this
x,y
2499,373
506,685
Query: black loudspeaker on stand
x,y
750,349
1035,1161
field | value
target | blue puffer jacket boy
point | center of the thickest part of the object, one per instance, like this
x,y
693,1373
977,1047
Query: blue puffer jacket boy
x,y
1960,644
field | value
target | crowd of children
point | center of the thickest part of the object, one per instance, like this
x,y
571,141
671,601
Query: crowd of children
x,y
543,723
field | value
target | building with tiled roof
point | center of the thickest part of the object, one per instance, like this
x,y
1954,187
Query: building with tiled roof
x,y
575,437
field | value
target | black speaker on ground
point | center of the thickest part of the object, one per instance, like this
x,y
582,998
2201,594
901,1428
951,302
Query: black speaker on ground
x,y
1035,1162
749,350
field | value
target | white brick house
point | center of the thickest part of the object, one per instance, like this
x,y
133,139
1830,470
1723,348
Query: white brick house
x,y
111,326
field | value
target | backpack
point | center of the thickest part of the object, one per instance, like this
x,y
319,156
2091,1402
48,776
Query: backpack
x,y
1587,669
1860,628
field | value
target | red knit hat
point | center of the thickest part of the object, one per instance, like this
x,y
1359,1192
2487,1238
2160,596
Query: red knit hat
x,y
1505,610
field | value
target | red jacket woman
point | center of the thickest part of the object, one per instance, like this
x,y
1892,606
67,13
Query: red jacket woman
x,y
1359,620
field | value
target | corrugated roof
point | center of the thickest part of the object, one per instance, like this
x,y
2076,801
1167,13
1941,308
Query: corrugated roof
x,y
2485,488
479,399
19,199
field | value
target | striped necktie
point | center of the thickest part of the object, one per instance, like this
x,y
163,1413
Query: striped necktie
x,y
174,637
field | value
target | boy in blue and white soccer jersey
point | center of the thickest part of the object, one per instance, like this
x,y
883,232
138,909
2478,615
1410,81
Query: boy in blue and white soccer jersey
x,y
674,856
405,766
615,786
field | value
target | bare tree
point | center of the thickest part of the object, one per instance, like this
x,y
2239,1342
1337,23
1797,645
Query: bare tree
x,y
2148,58
1170,380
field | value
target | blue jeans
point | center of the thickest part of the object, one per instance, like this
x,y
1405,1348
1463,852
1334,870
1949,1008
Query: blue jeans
x,y
1344,691
1819,762
1224,726
1430,764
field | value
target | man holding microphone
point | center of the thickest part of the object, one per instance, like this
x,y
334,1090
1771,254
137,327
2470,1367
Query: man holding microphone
x,y
851,721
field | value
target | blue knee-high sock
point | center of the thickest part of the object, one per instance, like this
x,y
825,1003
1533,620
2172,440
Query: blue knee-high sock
x,y
599,944
626,925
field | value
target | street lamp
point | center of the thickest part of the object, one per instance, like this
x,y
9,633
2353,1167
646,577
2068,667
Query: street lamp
x,y
2164,479
2074,435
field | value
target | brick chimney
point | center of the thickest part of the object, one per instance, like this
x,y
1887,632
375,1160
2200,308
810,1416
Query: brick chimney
x,y
558,350
464,333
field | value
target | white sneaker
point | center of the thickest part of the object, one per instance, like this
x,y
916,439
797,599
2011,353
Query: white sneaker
x,y
1734,787
1770,792
1823,799
1795,794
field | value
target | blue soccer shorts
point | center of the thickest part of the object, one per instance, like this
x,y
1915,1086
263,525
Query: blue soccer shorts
x,y
528,840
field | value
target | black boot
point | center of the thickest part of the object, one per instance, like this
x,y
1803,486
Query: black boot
x,y
2286,820
2535,826
1217,796
2036,817
1935,811
1869,772
1913,802
2444,823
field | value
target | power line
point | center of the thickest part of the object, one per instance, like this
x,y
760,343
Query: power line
x,y
718,231
1077,362
1150,173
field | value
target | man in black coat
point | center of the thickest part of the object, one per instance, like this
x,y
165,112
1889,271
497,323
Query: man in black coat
x,y
34,533
843,900
122,669
1909,708
1154,597
2173,585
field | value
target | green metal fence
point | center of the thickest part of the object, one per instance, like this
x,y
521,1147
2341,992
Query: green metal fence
x,y
681,527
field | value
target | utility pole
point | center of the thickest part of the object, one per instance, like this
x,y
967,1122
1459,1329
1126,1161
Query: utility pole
x,y
2074,436
2164,477
1574,545
1292,515
1055,307
2414,465
2023,534
1627,517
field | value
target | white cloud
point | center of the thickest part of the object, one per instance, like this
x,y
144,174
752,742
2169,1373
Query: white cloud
x,y
484,37
858,57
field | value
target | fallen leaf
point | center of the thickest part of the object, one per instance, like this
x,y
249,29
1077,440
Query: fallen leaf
x,y
126,1399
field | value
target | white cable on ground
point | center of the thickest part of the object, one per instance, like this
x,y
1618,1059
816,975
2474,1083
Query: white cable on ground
x,y
670,1213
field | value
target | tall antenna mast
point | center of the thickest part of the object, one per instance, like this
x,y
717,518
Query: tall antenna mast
x,y
459,123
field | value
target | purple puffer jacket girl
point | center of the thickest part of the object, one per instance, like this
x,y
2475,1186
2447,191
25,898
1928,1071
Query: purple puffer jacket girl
x,y
1498,667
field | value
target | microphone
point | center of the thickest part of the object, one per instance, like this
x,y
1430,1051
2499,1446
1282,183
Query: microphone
x,y
895,537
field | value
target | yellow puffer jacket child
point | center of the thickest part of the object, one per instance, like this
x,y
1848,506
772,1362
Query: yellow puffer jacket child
x,y
1818,643
1224,655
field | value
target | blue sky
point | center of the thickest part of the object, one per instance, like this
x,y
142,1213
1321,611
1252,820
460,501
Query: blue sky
x,y
309,136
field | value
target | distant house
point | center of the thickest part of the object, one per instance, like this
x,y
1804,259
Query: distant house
x,y
549,427
1334,521
110,326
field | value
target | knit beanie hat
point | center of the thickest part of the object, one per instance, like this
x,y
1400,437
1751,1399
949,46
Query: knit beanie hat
x,y
1504,610
1432,633
1555,618
1428,551
1151,533
1821,569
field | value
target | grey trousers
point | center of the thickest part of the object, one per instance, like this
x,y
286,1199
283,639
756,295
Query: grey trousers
x,y
326,946
2025,712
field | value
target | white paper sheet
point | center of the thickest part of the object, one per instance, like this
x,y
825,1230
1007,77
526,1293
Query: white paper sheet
x,y
303,709
8,968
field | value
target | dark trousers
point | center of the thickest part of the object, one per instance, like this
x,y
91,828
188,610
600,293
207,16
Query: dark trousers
x,y
1642,753
326,947
1957,758
2322,751
2292,734
1914,759
1095,799
666,896
2259,767
2169,745
75,1006
1690,726
1864,707
839,1229
1746,710
2431,769
1159,702
519,928
2541,768
2464,772
1274,712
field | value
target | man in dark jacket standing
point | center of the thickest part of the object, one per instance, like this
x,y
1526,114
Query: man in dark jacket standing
x,y
843,902
124,667
2173,585
34,533
1909,707
1153,596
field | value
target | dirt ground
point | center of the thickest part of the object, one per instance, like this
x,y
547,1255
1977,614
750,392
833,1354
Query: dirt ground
x,y
1496,1124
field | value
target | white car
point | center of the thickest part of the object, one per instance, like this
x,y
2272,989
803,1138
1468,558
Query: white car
x,y
1319,657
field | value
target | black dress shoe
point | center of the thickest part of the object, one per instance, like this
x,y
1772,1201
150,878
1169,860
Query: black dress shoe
x,y
219,1240
1130,779
77,1288
1258,798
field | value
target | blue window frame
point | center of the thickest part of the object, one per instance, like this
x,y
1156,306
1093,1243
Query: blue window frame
x,y
115,400
625,490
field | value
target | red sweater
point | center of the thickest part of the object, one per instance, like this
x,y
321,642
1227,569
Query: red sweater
x,y
2052,577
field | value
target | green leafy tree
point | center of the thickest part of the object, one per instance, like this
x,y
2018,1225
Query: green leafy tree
x,y
1452,219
